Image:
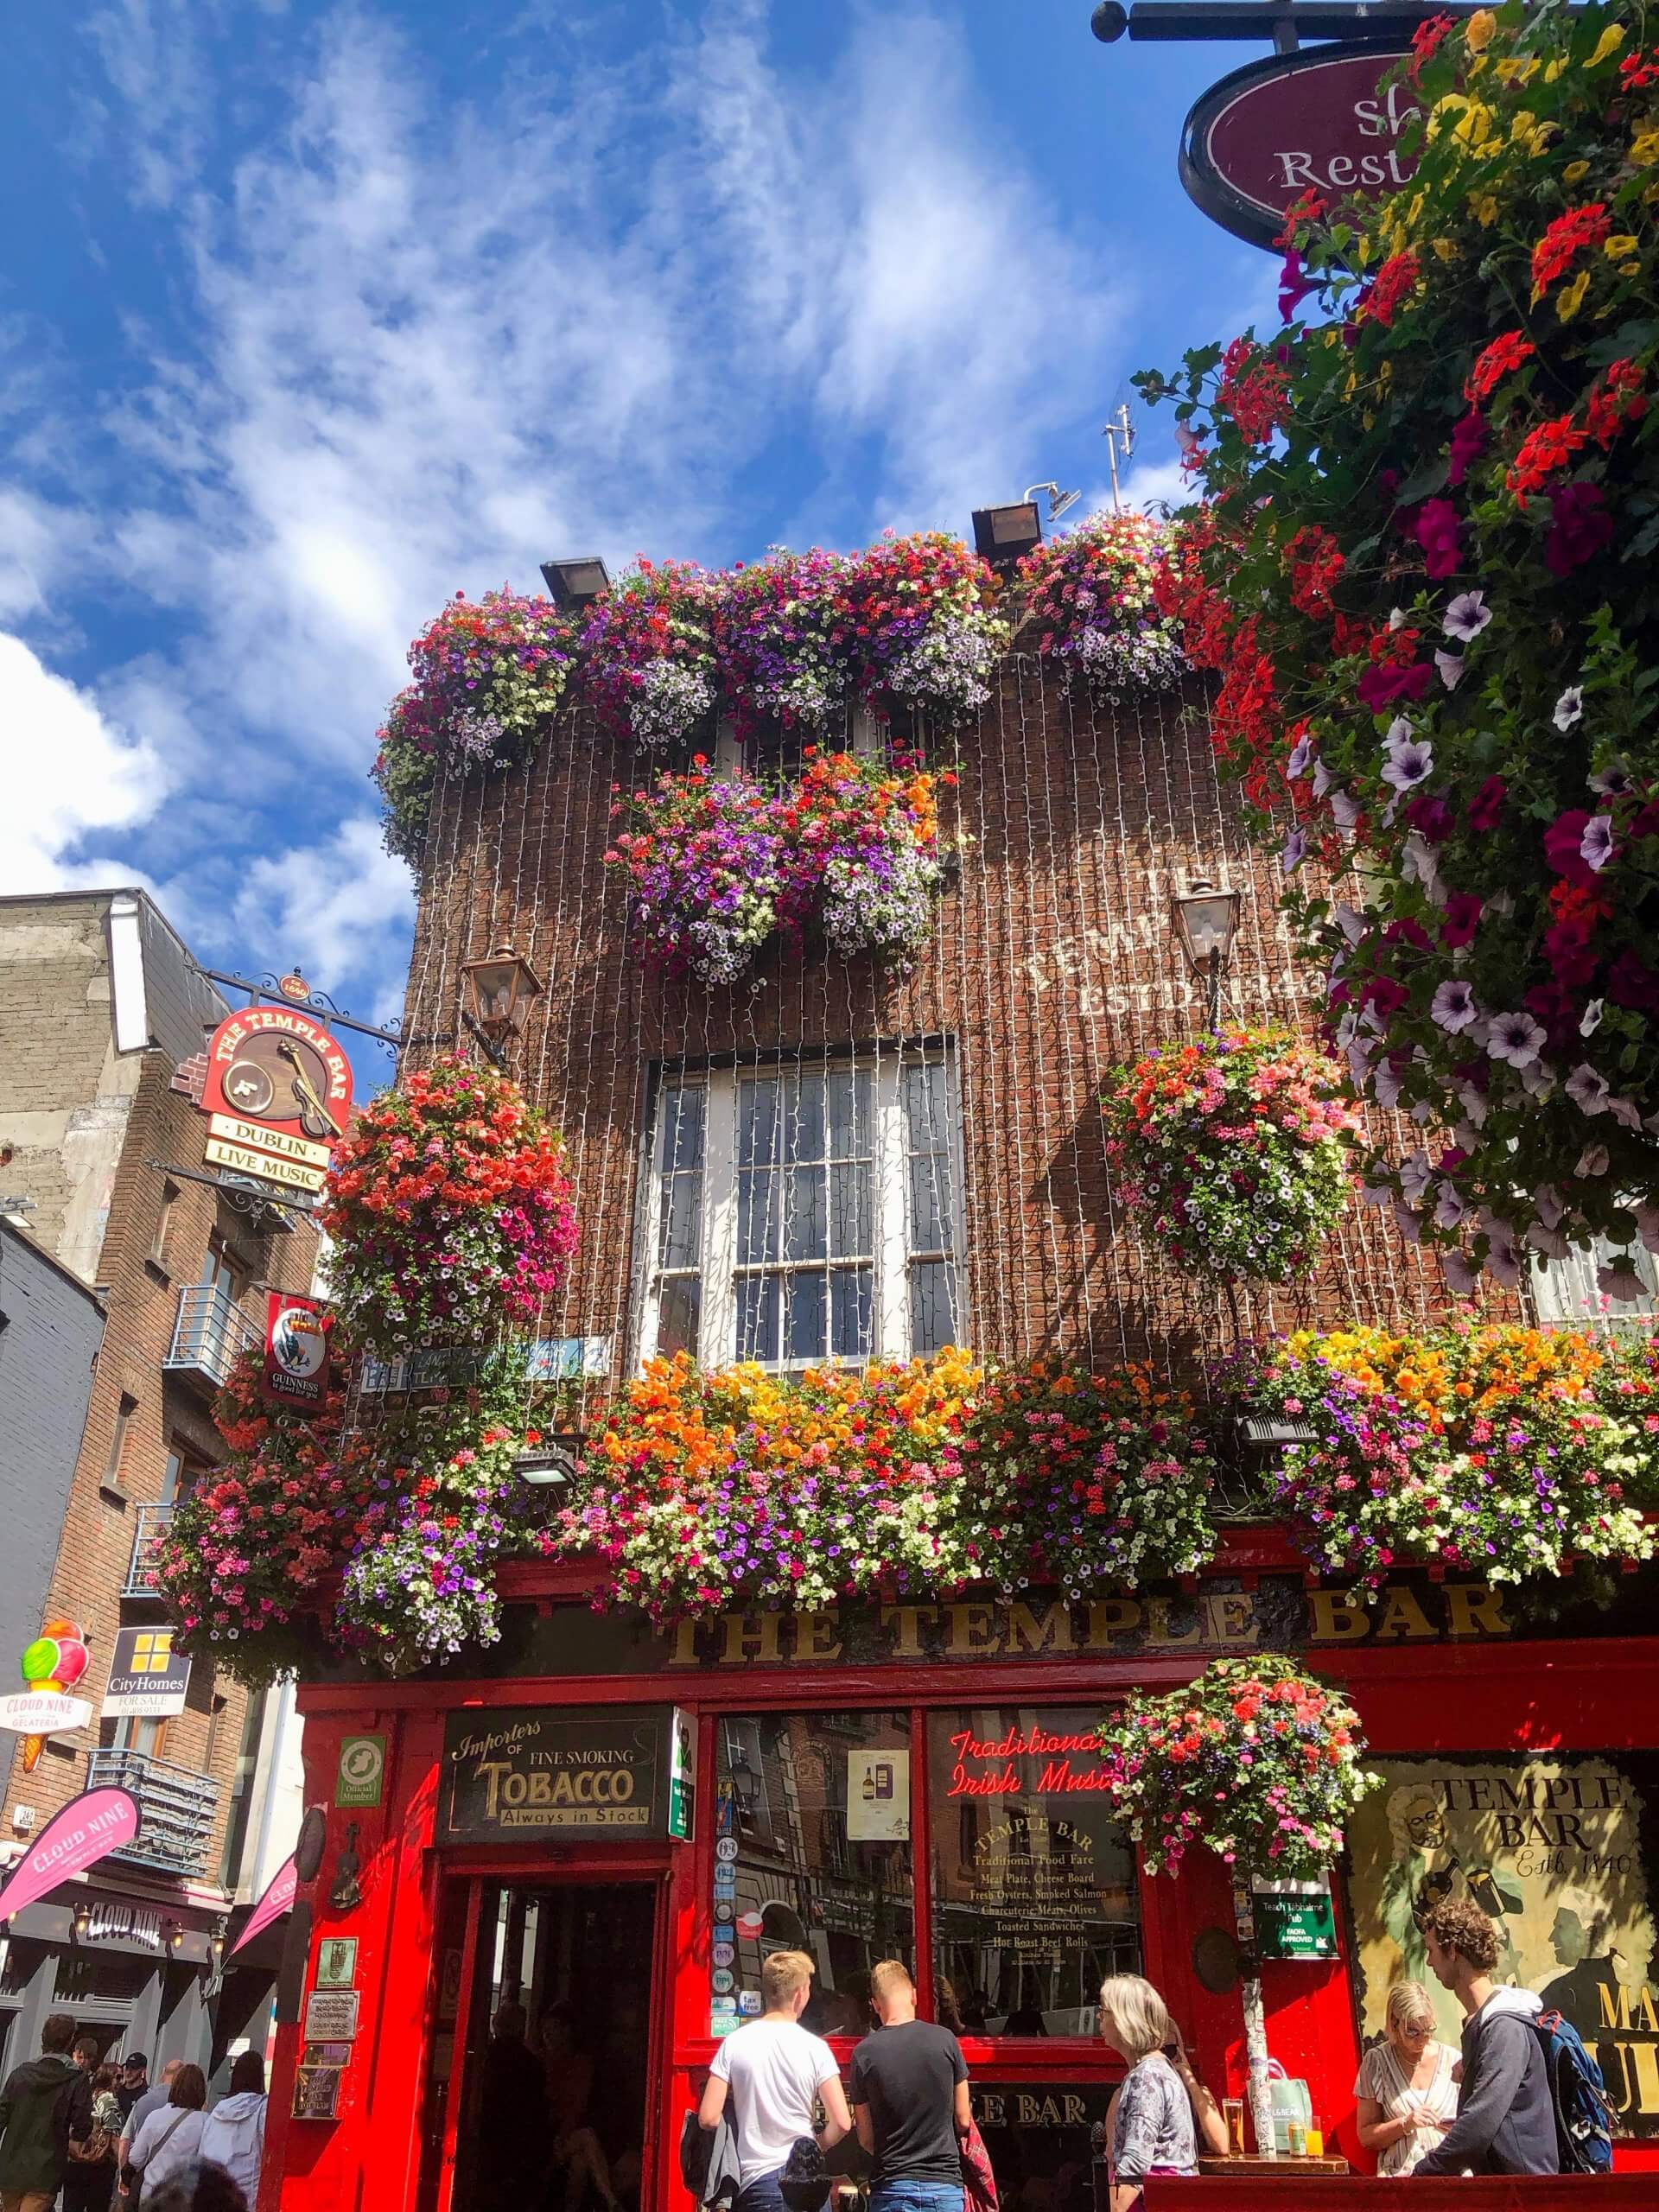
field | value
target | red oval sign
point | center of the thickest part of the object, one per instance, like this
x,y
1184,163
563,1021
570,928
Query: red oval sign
x,y
1320,121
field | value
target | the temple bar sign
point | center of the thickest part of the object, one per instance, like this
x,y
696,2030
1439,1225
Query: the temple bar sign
x,y
1324,121
527,1772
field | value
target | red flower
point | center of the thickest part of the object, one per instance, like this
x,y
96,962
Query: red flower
x,y
1486,807
1502,355
1617,399
1543,453
1568,235
1459,919
1380,687
1440,532
1316,565
1389,288
1253,390
1426,41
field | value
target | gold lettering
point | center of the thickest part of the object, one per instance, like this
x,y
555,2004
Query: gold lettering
x,y
1644,2058
1474,1608
972,1628
1403,1615
493,1768
685,1645
1336,1618
1111,1617
1230,1617
541,1787
908,1620
817,1636
750,1636
1053,1635
1157,1627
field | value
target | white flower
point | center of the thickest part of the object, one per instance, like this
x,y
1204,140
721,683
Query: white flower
x,y
1569,707
1537,1079
1587,1090
1626,1112
1448,1207
1301,754
1621,1282
1473,1104
1462,1272
1399,732
1594,1160
1415,1176
1515,1037
1345,810
1550,1204
1596,846
1418,865
1385,1084
1411,764
1501,902
1359,1065
1398,617
1350,921
1612,781
1453,1007
1295,852
1450,667
1468,615
1590,1020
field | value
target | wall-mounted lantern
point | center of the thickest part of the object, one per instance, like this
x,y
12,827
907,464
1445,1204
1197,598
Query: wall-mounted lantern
x,y
1207,921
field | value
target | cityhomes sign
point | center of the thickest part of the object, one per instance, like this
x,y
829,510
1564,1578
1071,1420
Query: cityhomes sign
x,y
1324,120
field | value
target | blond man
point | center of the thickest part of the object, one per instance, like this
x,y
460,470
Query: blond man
x,y
773,2074
910,2100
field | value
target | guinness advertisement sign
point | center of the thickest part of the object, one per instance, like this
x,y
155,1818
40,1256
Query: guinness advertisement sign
x,y
533,1772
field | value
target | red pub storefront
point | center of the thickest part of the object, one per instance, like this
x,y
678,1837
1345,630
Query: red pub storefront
x,y
917,1782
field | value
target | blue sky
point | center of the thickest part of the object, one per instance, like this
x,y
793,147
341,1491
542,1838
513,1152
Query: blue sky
x,y
312,315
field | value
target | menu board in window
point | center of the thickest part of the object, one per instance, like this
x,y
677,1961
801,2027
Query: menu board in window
x,y
1035,1899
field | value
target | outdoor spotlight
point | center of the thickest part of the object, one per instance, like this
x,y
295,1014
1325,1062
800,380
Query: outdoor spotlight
x,y
1004,535
1206,919
216,1943
1059,502
174,1935
502,988
554,1467
573,583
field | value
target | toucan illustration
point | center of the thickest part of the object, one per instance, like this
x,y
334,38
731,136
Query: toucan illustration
x,y
314,1118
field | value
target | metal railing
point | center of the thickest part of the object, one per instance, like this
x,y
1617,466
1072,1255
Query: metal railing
x,y
176,1809
210,1333
151,1525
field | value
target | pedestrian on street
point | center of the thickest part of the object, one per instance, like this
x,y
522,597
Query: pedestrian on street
x,y
155,2098
909,2101
1506,2115
134,2083
1153,2129
170,2140
774,2073
95,2125
234,2137
34,2121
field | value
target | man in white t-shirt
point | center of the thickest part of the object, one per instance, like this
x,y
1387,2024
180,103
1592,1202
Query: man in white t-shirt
x,y
774,2073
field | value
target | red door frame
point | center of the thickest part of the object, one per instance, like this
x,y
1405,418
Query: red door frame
x,y
601,1866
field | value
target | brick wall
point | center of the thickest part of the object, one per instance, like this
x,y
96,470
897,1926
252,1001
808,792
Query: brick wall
x,y
1053,958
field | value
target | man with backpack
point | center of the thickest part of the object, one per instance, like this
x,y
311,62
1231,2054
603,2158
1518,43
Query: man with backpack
x,y
1506,2111
34,2121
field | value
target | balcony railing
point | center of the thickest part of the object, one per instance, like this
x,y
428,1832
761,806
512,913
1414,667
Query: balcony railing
x,y
152,1523
210,1334
176,1809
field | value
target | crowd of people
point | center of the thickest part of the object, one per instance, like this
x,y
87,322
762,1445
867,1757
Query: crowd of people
x,y
760,2145
92,2137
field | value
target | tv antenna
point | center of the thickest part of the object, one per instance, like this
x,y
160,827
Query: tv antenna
x,y
1118,427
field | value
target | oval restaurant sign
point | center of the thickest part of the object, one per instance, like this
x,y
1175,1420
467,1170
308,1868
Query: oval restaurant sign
x,y
1319,121
278,1096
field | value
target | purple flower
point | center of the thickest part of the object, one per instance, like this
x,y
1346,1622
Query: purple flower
x,y
1440,532
1301,754
1621,1280
1515,1037
1468,615
1295,852
1451,668
1587,1090
1596,847
1381,687
1486,808
1468,443
1453,1007
1409,760
1580,527
1569,707
1612,781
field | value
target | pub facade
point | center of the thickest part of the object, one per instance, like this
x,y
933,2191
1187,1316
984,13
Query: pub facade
x,y
607,1825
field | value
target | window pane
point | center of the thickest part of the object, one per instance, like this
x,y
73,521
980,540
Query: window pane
x,y
804,1131
808,1228
679,1243
806,1297
932,1305
924,1107
679,1143
757,1122
819,1807
852,1204
758,1216
757,1318
1035,1895
678,1311
851,1313
928,1217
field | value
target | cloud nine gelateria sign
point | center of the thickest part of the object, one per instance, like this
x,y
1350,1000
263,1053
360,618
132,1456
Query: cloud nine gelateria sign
x,y
1324,120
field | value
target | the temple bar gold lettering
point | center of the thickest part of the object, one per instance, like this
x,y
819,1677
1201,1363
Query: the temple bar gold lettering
x,y
1218,1620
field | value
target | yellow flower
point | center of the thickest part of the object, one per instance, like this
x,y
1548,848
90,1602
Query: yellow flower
x,y
1447,249
1523,126
1575,172
1487,210
1570,298
1630,268
1516,70
1607,46
1621,246
1477,31
1554,70
1645,150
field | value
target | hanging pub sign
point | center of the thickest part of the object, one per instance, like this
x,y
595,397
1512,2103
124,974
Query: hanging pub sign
x,y
530,1771
147,1676
297,1353
278,1095
1321,121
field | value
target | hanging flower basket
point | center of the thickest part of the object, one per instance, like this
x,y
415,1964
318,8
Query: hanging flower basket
x,y
1255,1759
923,614
449,1210
783,637
1231,1153
1090,604
488,676
648,653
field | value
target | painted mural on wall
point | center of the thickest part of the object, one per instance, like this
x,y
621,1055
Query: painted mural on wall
x,y
1559,1852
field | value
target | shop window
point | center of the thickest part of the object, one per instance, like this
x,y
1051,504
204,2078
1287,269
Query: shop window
x,y
1034,1894
829,1869
803,1214
1567,1296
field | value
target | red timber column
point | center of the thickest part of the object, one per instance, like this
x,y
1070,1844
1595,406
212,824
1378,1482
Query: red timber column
x,y
367,2159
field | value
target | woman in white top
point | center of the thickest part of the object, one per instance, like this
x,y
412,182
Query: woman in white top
x,y
1407,2092
171,2138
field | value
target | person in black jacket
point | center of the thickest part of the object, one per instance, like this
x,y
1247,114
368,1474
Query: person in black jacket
x,y
1506,2117
34,2121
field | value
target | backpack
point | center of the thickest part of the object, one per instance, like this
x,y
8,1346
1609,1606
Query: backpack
x,y
1584,2118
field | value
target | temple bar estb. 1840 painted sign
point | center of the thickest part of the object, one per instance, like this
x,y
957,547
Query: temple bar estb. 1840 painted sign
x,y
531,1773
1325,121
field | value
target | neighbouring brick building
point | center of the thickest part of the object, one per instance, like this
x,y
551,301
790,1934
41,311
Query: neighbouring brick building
x,y
100,1007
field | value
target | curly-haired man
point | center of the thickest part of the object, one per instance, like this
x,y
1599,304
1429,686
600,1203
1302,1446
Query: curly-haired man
x,y
1506,2118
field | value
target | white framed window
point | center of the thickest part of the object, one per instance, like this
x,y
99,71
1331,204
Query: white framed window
x,y
778,754
1567,1296
800,1213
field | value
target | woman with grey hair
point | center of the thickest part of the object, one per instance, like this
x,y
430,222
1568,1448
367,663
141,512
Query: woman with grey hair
x,y
1152,2127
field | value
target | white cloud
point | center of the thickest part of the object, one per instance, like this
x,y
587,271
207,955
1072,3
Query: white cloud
x,y
331,908
67,773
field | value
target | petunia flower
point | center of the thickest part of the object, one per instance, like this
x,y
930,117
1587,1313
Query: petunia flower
x,y
1294,851
1450,666
1416,1175
1587,1088
1345,810
1621,1282
1612,781
1515,1037
1348,919
1569,707
1596,847
1468,615
1590,1020
1408,765
1448,1207
1647,1225
1594,1160
1301,754
1453,1007
1462,1272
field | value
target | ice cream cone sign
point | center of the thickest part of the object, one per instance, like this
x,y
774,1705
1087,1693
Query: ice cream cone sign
x,y
51,1667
